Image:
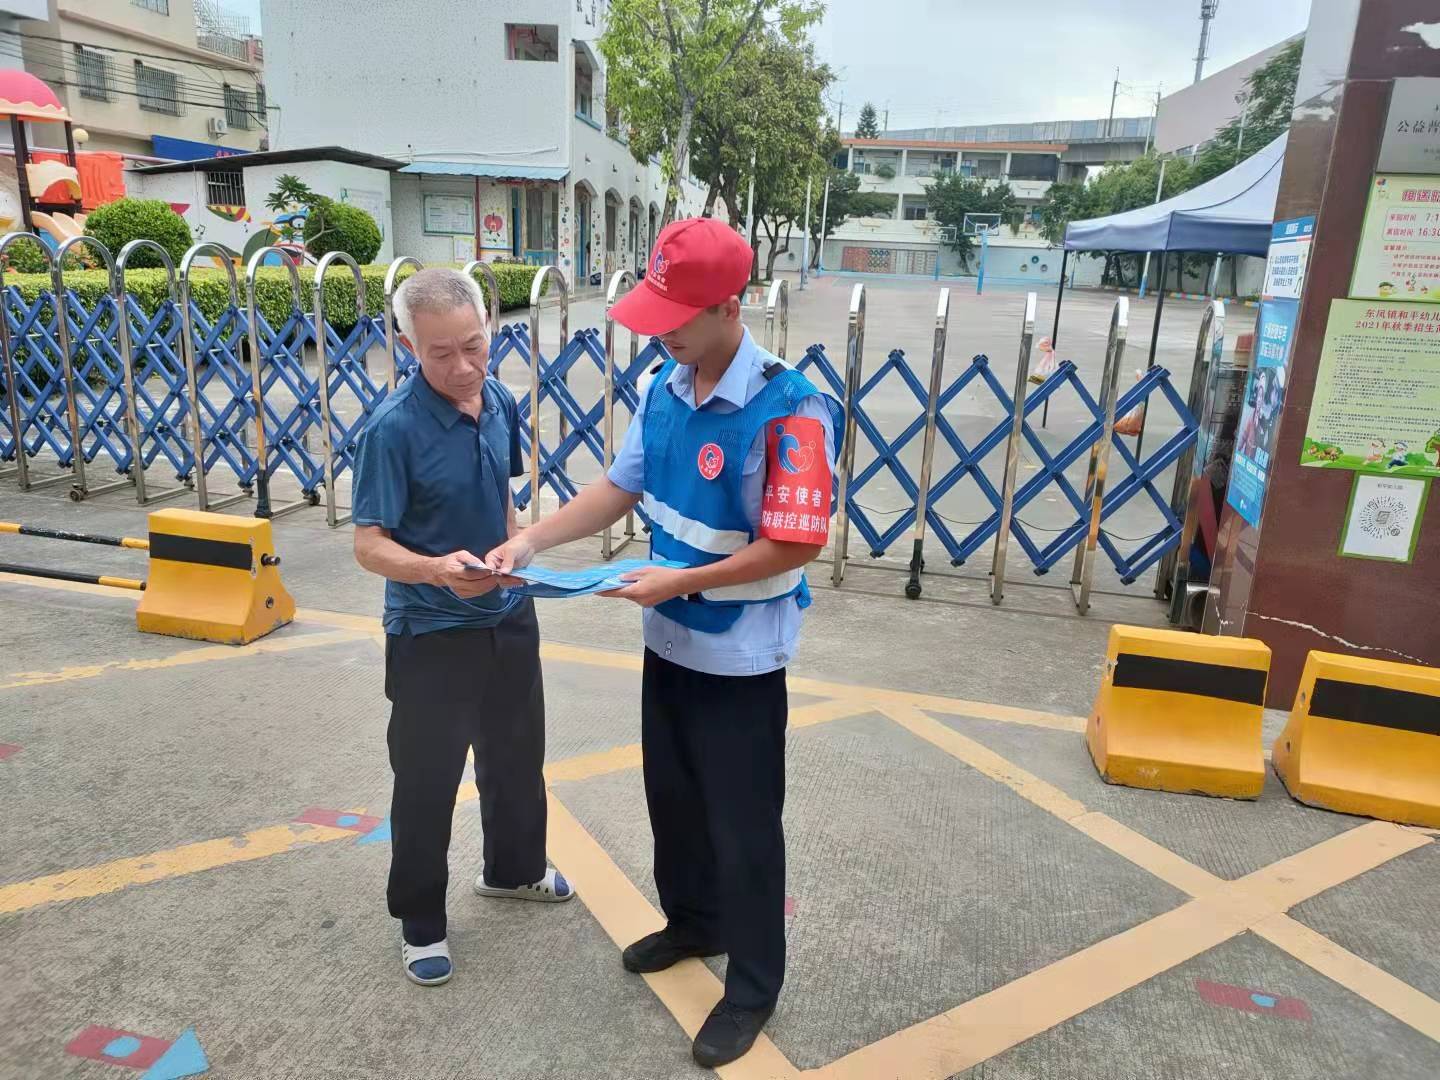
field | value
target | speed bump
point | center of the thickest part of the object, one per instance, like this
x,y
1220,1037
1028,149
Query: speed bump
x,y
1364,738
213,577
1181,712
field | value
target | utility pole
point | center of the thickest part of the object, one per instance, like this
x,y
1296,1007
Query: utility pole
x,y
805,240
1114,92
1244,100
750,213
1154,119
887,117
1207,12
1145,271
824,219
840,116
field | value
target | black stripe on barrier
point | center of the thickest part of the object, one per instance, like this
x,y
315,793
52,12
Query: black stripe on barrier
x,y
61,534
1137,672
193,549
1380,706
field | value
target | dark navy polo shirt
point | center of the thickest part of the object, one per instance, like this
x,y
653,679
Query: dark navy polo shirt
x,y
439,482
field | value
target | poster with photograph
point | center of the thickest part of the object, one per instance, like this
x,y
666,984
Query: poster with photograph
x,y
1264,401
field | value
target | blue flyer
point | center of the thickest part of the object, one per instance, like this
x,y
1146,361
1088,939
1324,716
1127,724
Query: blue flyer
x,y
550,584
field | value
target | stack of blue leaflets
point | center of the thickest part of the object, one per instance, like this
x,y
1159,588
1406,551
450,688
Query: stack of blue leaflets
x,y
562,584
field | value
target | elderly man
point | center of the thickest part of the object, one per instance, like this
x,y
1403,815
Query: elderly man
x,y
462,655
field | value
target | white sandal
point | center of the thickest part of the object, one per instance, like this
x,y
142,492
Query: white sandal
x,y
409,954
551,889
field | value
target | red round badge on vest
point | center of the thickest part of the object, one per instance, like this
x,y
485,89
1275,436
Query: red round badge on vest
x,y
711,461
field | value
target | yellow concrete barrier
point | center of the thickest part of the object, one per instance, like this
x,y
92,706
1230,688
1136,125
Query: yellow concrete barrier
x,y
1364,738
213,577
1181,712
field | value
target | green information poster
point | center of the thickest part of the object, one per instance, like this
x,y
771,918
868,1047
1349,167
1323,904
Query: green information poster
x,y
1399,255
1376,407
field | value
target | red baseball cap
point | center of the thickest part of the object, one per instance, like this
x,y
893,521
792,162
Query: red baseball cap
x,y
696,263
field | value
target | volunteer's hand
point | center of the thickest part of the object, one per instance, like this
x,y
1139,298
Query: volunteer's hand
x,y
448,572
651,585
514,554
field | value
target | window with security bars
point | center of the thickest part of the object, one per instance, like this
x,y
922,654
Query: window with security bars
x,y
225,188
92,71
237,108
158,89
160,7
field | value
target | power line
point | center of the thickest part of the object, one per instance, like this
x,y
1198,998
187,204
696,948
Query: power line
x,y
129,52
57,55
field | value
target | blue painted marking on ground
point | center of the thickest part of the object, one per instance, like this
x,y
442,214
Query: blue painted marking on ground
x,y
184,1058
1265,1001
379,834
122,1047
346,820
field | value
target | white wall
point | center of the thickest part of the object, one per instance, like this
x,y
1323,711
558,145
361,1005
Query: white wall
x,y
1191,116
414,81
357,185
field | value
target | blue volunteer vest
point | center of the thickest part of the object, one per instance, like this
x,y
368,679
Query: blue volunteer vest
x,y
698,520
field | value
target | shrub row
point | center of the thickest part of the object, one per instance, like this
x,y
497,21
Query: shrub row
x,y
210,290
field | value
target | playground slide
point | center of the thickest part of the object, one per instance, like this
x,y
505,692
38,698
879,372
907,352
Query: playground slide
x,y
55,229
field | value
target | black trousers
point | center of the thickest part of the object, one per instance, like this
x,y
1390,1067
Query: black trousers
x,y
449,690
714,748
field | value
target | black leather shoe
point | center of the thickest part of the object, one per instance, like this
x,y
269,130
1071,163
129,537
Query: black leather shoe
x,y
660,950
728,1033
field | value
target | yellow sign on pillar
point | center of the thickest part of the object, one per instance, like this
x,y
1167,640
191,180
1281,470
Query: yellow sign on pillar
x,y
213,577
1364,738
1181,712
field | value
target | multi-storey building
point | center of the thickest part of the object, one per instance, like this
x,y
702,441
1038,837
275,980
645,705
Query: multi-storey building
x,y
496,113
148,78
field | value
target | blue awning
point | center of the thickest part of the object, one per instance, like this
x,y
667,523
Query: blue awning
x,y
1231,214
487,170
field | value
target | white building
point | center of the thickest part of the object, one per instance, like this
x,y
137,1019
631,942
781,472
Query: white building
x,y
496,115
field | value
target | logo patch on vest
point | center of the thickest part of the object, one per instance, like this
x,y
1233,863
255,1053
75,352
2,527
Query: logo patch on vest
x,y
711,461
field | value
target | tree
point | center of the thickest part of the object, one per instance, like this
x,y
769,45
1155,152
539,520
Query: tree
x,y
953,195
1265,110
663,56
869,125
846,199
291,195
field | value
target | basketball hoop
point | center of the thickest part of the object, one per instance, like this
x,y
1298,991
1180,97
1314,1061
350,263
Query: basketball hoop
x,y
978,224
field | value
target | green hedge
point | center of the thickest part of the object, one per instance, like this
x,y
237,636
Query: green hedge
x,y
116,224
210,289
332,226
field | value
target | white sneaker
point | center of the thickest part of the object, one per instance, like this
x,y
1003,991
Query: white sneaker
x,y
433,961
551,889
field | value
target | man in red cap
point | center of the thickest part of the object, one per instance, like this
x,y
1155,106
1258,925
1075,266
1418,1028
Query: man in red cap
x,y
729,457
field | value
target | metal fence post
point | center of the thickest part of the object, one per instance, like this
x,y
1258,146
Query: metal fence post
x,y
1012,451
1094,501
1173,571
927,456
392,377
12,388
327,440
779,297
537,287
127,358
622,280
263,508
854,359
192,387
80,489
493,300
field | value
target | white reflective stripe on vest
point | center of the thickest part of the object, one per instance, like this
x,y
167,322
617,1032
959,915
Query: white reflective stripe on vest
x,y
692,533
765,589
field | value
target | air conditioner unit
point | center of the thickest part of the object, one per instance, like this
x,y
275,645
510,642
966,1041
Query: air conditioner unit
x,y
217,126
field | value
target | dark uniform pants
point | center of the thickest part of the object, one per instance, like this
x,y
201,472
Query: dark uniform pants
x,y
449,690
714,748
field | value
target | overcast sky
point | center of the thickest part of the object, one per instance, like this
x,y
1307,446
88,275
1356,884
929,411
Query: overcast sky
x,y
1010,61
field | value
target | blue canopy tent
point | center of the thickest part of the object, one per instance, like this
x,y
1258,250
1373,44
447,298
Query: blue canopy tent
x,y
1229,215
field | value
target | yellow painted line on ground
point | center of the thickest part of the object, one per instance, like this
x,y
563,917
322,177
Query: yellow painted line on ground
x,y
587,766
160,865
1359,976
207,654
992,1023
688,989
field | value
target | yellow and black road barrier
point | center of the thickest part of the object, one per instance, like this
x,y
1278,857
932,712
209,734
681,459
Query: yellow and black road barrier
x,y
1181,712
1364,738
212,577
